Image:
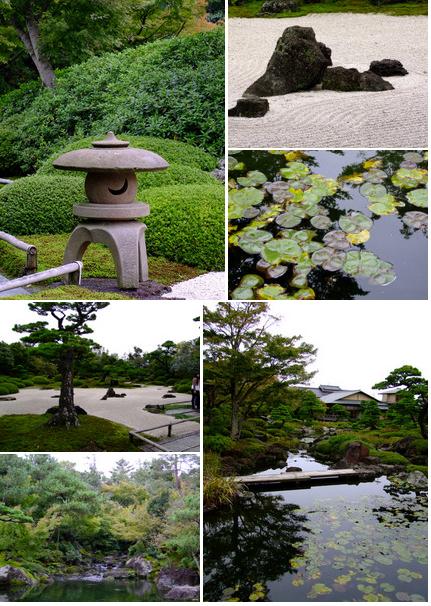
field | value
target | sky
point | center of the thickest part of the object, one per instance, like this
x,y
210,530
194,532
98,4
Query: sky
x,y
121,325
105,461
358,342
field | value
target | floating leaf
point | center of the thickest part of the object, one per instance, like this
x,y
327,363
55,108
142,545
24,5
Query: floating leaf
x,y
410,177
386,205
355,222
253,178
251,281
305,293
271,292
329,258
360,238
296,155
413,157
272,272
336,239
253,240
353,178
294,170
369,190
372,163
375,176
242,200
233,164
416,219
243,294
318,589
277,251
291,218
387,587
279,190
320,222
418,197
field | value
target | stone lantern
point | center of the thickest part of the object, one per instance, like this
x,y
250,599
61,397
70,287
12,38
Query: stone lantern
x,y
111,212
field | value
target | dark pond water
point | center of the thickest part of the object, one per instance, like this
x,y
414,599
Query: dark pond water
x,y
390,238
340,543
86,591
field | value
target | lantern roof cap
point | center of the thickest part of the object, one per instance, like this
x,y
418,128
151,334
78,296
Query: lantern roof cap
x,y
110,154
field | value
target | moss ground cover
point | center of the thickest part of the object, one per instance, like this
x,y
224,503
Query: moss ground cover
x,y
252,9
30,433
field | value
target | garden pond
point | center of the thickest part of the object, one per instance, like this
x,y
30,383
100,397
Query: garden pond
x,y
328,224
81,590
331,543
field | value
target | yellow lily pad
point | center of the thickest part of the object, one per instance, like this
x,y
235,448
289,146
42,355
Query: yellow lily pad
x,y
360,238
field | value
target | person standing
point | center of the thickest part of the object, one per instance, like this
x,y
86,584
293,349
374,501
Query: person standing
x,y
196,392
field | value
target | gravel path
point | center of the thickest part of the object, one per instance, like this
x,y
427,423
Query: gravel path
x,y
314,119
127,411
208,286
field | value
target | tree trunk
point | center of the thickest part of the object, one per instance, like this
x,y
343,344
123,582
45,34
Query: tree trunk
x,y
177,475
234,422
66,414
422,421
30,39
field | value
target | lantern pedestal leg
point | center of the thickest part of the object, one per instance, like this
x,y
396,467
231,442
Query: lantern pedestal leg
x,y
125,240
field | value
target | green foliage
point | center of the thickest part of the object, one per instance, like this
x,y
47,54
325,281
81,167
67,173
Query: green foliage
x,y
389,458
218,491
182,386
369,415
40,205
339,411
335,446
186,224
310,406
171,89
217,443
7,389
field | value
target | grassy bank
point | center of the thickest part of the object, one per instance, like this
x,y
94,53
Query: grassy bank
x,y
30,433
252,9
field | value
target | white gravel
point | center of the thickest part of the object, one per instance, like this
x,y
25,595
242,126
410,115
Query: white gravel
x,y
396,118
128,411
208,286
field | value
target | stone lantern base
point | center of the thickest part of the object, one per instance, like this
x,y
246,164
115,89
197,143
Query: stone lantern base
x,y
125,240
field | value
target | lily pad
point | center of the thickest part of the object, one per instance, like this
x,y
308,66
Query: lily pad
x,y
251,281
375,176
271,292
277,251
253,240
355,222
359,238
416,219
410,178
279,190
413,157
329,258
294,170
318,589
418,197
291,218
336,239
242,200
320,222
253,178
370,190
271,272
305,294
386,205
243,294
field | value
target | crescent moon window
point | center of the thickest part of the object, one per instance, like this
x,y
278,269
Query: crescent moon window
x,y
118,192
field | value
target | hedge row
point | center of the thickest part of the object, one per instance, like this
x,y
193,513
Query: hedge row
x,y
170,89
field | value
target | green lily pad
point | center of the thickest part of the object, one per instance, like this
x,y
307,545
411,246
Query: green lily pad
x,y
370,190
318,589
242,200
271,272
418,197
413,157
243,294
251,281
253,178
375,175
277,251
416,219
233,164
336,239
271,292
305,294
355,222
410,178
294,170
291,218
311,247
386,205
320,222
321,185
253,240
329,258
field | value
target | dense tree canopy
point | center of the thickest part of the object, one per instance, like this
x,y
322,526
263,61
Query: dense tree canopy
x,y
245,363
52,514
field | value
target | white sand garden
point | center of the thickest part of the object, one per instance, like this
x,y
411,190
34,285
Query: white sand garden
x,y
128,411
326,118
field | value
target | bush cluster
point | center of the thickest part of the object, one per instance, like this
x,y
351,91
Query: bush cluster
x,y
8,388
170,89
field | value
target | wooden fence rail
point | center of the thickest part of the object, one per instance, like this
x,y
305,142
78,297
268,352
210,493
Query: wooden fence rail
x,y
30,249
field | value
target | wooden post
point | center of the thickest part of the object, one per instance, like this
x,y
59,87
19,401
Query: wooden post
x,y
170,430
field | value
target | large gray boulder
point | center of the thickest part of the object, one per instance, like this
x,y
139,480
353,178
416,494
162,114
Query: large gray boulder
x,y
140,565
12,575
297,63
250,107
183,593
170,578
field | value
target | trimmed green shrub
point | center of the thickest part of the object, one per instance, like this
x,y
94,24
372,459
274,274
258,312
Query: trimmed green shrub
x,y
174,152
170,88
183,386
40,380
217,443
389,458
7,389
186,224
40,205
